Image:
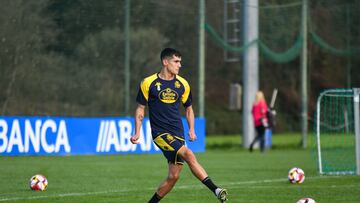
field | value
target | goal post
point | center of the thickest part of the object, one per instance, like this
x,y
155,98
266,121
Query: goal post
x,y
357,128
337,131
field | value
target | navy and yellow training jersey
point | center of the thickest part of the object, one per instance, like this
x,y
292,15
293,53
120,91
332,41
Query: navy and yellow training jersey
x,y
163,98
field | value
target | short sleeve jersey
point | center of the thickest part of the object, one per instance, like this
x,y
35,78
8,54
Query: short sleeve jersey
x,y
163,98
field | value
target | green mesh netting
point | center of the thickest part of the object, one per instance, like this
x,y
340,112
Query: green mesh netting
x,y
327,47
280,37
336,132
221,42
283,57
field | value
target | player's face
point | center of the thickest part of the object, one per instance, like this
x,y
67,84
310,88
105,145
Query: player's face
x,y
173,64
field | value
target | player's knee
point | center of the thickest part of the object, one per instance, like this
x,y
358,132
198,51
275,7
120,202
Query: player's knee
x,y
173,177
190,157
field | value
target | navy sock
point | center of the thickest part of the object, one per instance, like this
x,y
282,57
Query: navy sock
x,y
155,198
208,182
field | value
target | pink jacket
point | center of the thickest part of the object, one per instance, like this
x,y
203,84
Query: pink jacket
x,y
259,111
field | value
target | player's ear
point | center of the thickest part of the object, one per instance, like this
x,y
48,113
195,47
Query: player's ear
x,y
165,61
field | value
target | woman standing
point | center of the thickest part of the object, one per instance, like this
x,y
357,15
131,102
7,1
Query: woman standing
x,y
259,113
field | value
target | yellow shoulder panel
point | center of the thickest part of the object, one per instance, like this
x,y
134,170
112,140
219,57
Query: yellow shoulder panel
x,y
185,96
145,85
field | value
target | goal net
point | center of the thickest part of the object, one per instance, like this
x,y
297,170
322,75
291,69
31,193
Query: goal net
x,y
337,124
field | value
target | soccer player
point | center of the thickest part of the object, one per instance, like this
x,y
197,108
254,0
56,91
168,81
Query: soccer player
x,y
163,92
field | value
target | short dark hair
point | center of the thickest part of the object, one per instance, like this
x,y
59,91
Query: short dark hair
x,y
168,53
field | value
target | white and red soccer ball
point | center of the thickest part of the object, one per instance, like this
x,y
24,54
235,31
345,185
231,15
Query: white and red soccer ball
x,y
38,183
296,175
306,200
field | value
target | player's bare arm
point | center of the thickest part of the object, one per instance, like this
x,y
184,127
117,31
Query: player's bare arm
x,y
139,116
189,113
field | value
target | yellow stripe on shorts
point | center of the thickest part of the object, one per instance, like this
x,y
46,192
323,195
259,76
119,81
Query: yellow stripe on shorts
x,y
163,144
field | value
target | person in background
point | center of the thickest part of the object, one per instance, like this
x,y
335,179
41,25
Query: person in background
x,y
261,122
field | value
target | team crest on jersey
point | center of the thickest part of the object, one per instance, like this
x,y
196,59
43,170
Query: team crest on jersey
x,y
158,84
177,84
168,96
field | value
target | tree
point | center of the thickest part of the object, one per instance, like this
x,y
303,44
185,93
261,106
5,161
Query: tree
x,y
25,30
99,71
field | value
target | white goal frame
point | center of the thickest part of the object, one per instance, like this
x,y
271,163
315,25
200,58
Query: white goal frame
x,y
356,99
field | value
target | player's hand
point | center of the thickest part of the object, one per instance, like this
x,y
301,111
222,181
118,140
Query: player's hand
x,y
192,135
265,122
273,112
134,139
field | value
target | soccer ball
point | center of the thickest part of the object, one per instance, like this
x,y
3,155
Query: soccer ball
x,y
38,183
306,200
296,175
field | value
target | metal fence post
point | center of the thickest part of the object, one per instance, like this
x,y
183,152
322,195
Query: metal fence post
x,y
357,128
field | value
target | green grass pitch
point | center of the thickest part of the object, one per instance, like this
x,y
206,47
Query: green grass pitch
x,y
249,177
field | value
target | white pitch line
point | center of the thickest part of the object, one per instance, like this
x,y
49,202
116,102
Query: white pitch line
x,y
65,195
3,199
289,186
276,180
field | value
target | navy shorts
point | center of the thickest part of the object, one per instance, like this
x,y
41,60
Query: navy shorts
x,y
170,145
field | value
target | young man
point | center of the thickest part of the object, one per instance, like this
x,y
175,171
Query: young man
x,y
163,92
